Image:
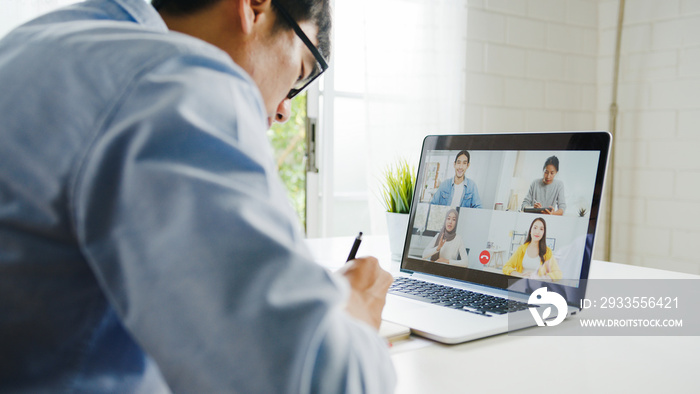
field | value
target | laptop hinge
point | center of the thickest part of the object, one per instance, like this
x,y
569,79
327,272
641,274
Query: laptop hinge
x,y
405,271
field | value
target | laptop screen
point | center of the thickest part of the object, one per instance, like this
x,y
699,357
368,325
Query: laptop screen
x,y
492,207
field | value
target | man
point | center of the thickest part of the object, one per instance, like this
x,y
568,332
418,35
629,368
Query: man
x,y
145,241
458,191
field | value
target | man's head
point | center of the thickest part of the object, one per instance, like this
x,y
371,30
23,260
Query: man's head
x,y
461,164
259,38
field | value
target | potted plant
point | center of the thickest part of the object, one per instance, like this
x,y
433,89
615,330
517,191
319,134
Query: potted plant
x,y
398,183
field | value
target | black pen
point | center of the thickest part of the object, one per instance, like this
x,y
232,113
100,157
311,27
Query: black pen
x,y
355,246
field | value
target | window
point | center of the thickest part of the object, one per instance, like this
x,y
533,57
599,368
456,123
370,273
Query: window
x,y
289,143
16,12
397,75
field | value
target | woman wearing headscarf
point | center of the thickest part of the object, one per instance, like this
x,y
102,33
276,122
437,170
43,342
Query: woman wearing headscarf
x,y
447,247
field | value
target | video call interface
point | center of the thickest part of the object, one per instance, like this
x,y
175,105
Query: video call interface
x,y
514,214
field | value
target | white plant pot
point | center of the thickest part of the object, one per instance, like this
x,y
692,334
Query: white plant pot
x,y
397,225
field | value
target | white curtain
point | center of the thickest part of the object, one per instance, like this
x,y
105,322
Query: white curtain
x,y
15,12
406,61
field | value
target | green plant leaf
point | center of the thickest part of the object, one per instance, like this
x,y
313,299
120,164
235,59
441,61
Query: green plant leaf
x,y
289,143
398,183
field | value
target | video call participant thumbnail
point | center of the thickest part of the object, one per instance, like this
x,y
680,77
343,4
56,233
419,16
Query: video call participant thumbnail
x,y
458,191
447,246
534,259
547,192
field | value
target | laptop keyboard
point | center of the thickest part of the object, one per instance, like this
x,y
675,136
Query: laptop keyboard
x,y
455,298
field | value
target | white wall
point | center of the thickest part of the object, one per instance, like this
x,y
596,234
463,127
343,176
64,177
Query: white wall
x,y
531,65
547,65
656,205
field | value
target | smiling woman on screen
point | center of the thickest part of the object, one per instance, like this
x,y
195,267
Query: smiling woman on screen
x,y
534,258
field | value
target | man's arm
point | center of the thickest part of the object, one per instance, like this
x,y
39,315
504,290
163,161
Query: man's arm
x,y
437,197
182,217
476,200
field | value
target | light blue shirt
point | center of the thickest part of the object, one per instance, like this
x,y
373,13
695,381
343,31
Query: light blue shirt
x,y
470,197
146,243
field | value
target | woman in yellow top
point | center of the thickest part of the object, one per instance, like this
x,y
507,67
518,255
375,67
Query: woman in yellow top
x,y
534,259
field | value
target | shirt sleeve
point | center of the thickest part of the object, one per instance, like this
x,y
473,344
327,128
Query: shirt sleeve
x,y
515,263
463,257
437,197
183,219
561,198
550,267
528,200
476,200
431,248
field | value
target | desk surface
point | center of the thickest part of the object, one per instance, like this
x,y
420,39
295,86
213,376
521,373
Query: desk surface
x,y
571,364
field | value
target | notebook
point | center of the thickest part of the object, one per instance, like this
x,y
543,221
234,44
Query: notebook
x,y
477,257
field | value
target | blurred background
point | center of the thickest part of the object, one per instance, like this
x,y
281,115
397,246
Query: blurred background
x,y
403,69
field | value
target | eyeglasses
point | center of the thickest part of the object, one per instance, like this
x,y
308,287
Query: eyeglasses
x,y
321,64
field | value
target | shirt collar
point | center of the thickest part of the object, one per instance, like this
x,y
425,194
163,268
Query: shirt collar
x,y
464,182
143,13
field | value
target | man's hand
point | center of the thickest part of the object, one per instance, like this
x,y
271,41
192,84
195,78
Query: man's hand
x,y
369,284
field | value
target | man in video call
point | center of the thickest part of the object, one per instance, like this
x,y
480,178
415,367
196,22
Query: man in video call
x,y
458,191
146,243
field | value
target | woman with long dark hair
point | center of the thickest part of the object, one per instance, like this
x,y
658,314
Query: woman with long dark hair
x,y
534,258
447,246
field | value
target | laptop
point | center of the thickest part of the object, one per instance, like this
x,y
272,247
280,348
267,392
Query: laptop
x,y
498,221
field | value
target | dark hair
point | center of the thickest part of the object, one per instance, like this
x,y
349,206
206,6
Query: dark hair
x,y
463,152
318,11
182,7
553,161
543,241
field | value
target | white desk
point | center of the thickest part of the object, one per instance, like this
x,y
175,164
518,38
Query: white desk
x,y
536,364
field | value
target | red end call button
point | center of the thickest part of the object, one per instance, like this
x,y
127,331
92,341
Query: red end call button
x,y
485,257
